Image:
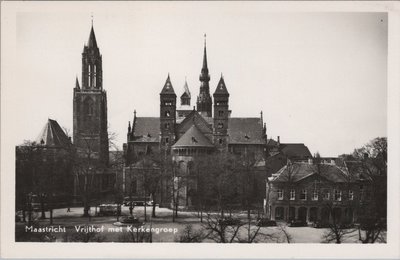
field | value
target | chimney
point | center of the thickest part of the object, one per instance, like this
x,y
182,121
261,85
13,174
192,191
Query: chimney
x,y
279,139
333,161
366,156
310,161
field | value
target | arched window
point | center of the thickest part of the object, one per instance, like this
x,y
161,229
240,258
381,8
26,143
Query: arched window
x,y
88,106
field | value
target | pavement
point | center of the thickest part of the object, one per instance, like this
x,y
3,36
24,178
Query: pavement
x,y
163,229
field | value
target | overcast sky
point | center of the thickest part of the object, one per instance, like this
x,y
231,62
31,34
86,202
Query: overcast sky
x,y
319,78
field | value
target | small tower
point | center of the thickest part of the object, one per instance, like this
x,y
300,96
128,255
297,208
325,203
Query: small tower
x,y
221,115
167,115
204,102
185,97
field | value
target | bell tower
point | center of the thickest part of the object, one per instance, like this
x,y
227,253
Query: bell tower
x,y
221,115
167,115
90,106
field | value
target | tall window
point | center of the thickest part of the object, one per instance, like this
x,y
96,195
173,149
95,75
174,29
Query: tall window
x,y
303,195
88,106
220,113
351,195
280,194
167,113
315,195
292,194
326,195
338,195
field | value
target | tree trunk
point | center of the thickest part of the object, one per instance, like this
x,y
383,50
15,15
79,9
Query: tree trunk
x,y
43,215
51,216
153,214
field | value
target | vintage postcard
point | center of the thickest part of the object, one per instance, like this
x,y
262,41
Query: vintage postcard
x,y
176,129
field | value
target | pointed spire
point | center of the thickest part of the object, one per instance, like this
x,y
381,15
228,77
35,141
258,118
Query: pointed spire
x,y
92,43
186,89
77,83
221,87
204,69
168,89
129,127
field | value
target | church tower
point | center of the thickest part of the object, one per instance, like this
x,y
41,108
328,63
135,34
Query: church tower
x,y
167,115
204,102
90,106
221,115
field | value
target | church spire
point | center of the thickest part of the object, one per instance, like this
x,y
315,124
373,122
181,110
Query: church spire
x,y
204,70
204,102
77,83
92,43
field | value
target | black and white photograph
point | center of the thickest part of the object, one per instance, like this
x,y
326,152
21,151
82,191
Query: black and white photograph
x,y
191,124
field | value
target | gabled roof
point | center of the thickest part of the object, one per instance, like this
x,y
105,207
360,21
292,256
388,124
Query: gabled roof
x,y
292,150
245,130
193,138
300,170
168,89
52,135
92,43
194,118
272,142
221,88
147,129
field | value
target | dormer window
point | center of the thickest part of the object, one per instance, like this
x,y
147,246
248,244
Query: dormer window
x,y
194,139
247,137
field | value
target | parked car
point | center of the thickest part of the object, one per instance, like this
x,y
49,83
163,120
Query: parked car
x,y
265,222
298,223
137,201
130,220
109,210
229,221
320,224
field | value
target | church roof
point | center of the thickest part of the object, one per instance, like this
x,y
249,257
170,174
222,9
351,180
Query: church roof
x,y
147,129
52,135
92,43
221,87
293,150
168,89
193,137
245,130
241,130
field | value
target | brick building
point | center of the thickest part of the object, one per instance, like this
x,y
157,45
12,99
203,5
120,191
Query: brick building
x,y
313,192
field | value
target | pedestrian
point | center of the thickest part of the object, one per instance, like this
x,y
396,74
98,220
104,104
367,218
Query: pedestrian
x,y
68,209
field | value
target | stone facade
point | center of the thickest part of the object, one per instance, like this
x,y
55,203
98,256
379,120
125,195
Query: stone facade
x,y
316,192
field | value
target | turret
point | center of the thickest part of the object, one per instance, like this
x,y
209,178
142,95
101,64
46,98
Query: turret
x,y
167,114
221,115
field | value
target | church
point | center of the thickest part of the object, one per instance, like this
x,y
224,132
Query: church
x,y
185,132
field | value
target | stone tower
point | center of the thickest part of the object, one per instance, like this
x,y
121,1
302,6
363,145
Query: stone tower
x,y
90,106
221,115
204,102
167,115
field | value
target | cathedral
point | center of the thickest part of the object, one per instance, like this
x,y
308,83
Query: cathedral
x,y
184,131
